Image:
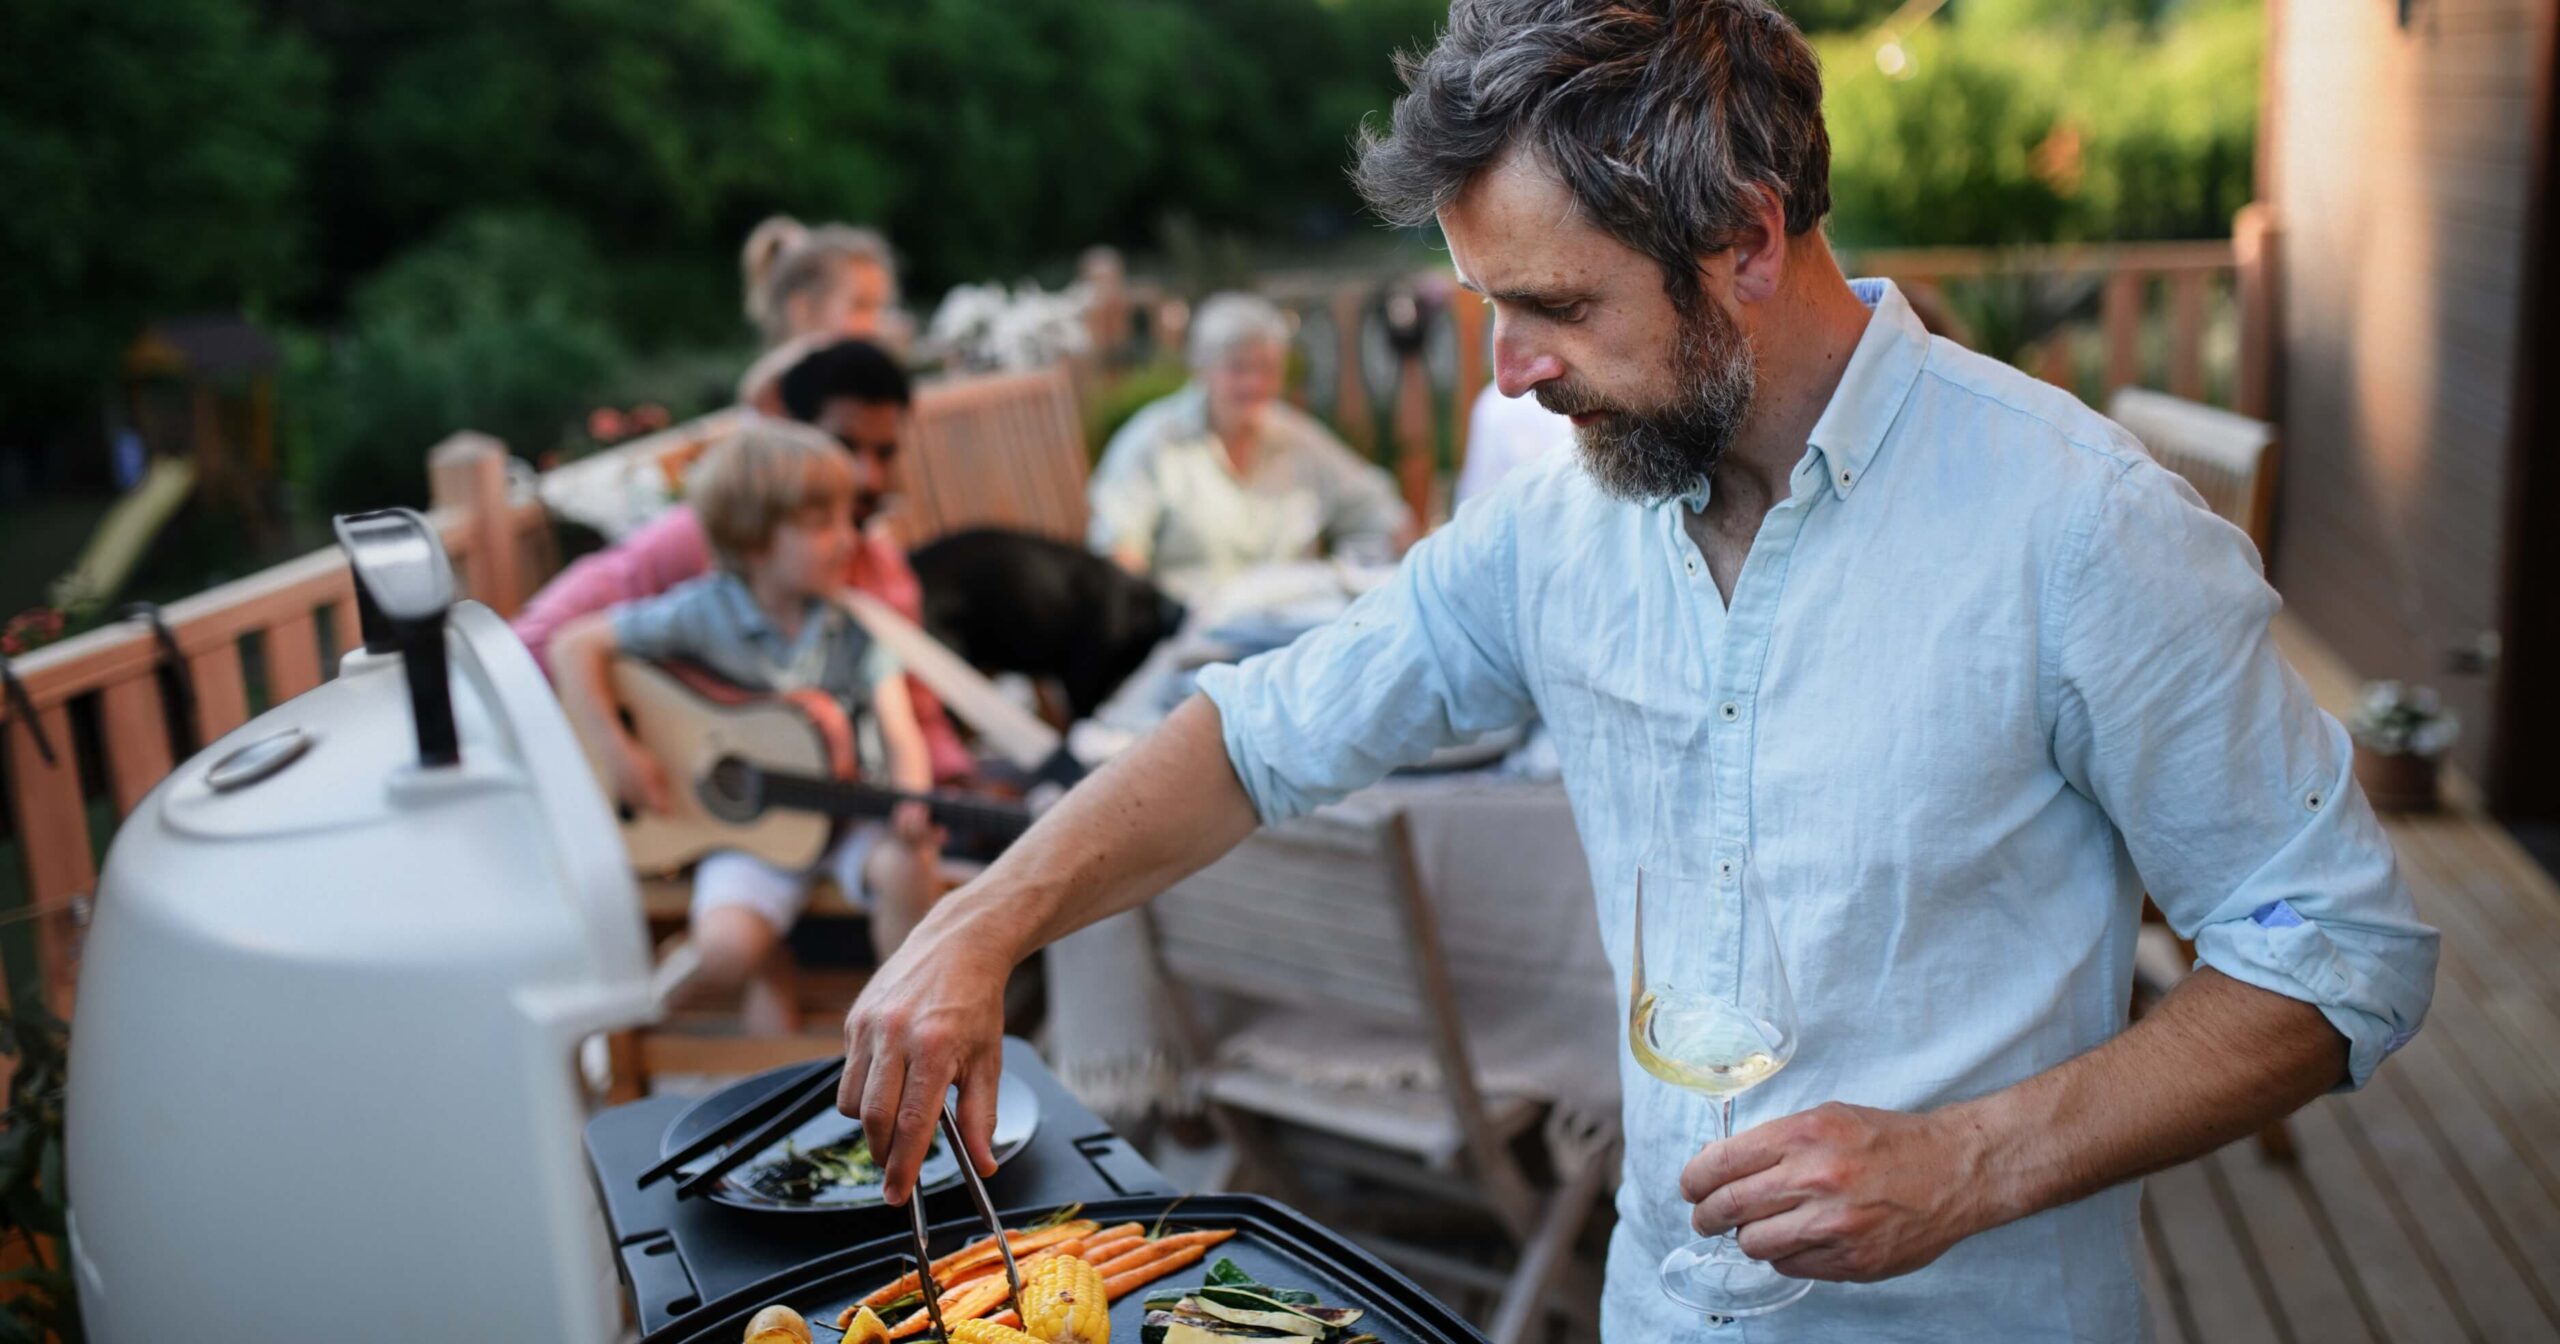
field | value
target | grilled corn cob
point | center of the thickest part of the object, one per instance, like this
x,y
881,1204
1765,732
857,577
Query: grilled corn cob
x,y
988,1332
1063,1303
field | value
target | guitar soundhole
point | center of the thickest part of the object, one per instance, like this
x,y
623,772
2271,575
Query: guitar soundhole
x,y
732,790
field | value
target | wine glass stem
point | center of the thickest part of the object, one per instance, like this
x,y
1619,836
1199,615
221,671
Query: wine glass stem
x,y
1724,1131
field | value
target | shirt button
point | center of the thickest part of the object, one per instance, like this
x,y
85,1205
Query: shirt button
x,y
1844,476
1724,871
1729,711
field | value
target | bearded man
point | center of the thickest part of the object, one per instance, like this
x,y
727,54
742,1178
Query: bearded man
x,y
1934,652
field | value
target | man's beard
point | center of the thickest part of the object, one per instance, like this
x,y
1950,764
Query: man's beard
x,y
1671,451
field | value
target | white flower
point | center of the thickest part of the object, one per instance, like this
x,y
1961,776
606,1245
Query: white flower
x,y
983,327
2401,720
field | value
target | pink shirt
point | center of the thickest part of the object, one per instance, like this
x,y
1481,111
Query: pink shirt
x,y
672,548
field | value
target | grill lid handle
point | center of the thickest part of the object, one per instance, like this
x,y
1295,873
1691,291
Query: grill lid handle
x,y
404,585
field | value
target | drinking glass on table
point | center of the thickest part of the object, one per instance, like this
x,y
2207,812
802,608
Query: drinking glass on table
x,y
1712,1014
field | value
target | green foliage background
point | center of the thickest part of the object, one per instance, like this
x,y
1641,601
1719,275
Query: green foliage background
x,y
495,212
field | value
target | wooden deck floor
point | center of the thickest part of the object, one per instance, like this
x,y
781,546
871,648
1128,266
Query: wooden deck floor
x,y
2426,1207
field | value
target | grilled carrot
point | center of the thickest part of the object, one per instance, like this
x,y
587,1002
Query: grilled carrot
x,y
1147,1252
995,1265
1130,1279
969,1305
1117,1239
985,1247
1104,1252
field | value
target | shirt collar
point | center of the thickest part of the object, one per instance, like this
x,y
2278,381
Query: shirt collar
x,y
1872,388
751,618
743,611
1191,409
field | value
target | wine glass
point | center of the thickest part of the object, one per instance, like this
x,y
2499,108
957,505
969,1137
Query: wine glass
x,y
1715,1017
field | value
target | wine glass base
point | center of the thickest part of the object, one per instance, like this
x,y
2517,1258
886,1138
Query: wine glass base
x,y
1715,1277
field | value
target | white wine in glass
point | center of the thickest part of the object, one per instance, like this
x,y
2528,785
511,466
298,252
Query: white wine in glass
x,y
1714,1042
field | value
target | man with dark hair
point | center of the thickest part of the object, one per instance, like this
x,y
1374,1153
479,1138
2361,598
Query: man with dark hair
x,y
856,372
852,390
1919,654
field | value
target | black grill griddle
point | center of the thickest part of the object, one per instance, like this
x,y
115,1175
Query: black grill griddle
x,y
676,1256
1276,1244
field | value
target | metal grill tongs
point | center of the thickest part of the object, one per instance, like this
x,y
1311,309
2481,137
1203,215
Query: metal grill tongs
x,y
986,1212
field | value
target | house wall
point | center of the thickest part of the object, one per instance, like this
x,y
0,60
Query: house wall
x,y
2399,161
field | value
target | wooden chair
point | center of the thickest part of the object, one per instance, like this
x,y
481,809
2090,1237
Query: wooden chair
x,y
2230,460
1325,920
1002,450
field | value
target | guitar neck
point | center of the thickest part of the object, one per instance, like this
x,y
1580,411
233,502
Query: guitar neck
x,y
848,799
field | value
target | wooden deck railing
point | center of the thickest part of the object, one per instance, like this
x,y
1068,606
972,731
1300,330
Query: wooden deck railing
x,y
2153,326
246,644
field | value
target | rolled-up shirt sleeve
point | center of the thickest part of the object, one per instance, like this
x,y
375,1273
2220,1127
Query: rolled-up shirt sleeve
x,y
1427,660
2174,710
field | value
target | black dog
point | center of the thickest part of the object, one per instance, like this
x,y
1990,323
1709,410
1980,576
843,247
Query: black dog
x,y
1016,602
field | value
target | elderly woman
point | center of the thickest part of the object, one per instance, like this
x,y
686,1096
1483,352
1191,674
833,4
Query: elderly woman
x,y
1221,475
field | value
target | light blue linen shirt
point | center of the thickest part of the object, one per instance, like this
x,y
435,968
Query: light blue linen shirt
x,y
1988,675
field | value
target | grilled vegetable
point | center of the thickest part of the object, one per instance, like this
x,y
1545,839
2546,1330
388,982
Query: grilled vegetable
x,y
866,1327
1230,1308
1064,1301
987,1332
777,1325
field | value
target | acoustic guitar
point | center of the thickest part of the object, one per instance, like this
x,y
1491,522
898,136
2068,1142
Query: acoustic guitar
x,y
771,775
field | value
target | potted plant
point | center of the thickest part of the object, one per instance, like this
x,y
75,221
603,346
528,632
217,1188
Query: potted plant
x,y
2401,733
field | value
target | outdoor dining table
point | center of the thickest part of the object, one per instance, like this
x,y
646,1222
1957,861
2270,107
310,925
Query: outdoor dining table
x,y
1498,859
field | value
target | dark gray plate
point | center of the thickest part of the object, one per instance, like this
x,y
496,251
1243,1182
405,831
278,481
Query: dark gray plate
x,y
1017,1118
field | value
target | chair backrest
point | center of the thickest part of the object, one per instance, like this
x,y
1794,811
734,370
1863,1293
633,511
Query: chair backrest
x,y
1323,913
1327,912
1002,450
2229,458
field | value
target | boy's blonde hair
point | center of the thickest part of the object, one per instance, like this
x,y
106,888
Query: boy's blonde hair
x,y
765,475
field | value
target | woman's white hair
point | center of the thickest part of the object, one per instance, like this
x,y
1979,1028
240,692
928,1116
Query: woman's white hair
x,y
1228,322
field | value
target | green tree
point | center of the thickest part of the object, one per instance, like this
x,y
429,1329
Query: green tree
x,y
497,325
152,151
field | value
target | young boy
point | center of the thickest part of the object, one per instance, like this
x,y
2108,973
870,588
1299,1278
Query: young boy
x,y
775,503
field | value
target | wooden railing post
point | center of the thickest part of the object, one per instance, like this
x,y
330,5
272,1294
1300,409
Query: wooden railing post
x,y
1351,390
467,474
2254,240
2120,316
1415,445
53,844
2186,334
1468,314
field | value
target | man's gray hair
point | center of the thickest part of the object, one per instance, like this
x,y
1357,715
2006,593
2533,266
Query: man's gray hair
x,y
1230,321
1659,116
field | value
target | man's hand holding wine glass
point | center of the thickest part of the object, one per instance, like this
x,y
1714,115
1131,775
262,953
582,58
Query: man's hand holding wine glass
x,y
1848,1193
